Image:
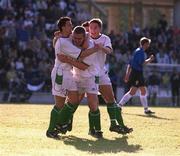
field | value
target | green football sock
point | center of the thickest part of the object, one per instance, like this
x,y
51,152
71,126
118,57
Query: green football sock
x,y
119,117
66,113
53,118
111,108
71,118
91,121
94,120
97,121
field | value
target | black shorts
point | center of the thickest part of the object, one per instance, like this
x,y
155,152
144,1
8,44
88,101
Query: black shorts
x,y
136,79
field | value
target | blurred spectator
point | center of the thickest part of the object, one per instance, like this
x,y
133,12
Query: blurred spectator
x,y
41,5
26,32
63,5
162,57
19,64
2,71
153,88
6,4
165,81
113,76
174,58
22,37
34,77
34,44
175,85
162,23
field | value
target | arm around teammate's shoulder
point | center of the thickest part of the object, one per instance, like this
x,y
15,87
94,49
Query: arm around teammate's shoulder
x,y
67,59
87,52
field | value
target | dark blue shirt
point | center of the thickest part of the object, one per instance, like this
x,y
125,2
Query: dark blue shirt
x,y
138,59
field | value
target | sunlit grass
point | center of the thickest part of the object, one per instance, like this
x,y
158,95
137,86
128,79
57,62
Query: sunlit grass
x,y
23,127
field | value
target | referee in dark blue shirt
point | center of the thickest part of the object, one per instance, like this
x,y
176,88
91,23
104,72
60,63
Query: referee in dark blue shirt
x,y
134,75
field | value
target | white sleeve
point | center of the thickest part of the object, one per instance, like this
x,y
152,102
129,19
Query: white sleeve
x,y
69,49
107,42
57,47
91,58
91,44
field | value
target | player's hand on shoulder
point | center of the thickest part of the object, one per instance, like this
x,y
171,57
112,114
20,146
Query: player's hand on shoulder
x,y
57,34
98,46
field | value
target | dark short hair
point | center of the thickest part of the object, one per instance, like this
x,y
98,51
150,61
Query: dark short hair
x,y
62,22
85,24
79,30
144,40
96,20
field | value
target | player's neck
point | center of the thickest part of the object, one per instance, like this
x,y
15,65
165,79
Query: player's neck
x,y
142,48
65,35
97,36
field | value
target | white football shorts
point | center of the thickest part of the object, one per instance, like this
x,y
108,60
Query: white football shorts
x,y
104,79
62,81
88,84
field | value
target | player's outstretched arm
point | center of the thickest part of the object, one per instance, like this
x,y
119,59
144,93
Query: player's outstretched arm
x,y
128,71
72,61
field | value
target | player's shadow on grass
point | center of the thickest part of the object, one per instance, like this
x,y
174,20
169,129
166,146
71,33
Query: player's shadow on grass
x,y
153,116
149,116
102,145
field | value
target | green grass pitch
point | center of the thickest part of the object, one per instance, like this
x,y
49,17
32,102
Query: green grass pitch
x,y
23,127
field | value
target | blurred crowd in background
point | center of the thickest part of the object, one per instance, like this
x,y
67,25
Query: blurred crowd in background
x,y
27,55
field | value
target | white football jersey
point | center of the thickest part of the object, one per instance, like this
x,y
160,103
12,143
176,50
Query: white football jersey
x,y
106,42
65,46
91,60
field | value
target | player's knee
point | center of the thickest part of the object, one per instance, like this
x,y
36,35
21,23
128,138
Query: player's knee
x,y
132,93
59,102
109,99
93,108
59,105
144,94
73,101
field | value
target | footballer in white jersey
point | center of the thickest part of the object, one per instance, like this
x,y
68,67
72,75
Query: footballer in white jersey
x,y
63,83
58,90
87,80
62,76
105,42
64,46
105,86
63,71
